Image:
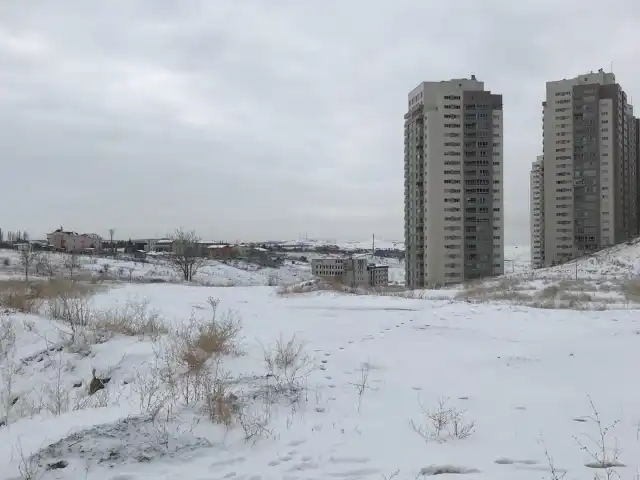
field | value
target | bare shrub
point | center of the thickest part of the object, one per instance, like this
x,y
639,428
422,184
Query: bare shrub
x,y
254,421
74,311
604,451
288,364
362,383
555,473
28,465
153,394
442,423
55,395
198,341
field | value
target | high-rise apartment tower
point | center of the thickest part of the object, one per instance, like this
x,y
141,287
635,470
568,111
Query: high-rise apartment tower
x,y
537,213
453,168
589,168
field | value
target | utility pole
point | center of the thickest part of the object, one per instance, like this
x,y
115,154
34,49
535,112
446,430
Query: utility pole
x,y
373,245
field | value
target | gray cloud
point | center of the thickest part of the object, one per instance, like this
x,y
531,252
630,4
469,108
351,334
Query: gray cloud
x,y
263,119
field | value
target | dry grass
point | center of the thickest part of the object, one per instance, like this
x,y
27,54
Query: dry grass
x,y
29,297
221,405
631,290
506,289
318,285
564,294
134,319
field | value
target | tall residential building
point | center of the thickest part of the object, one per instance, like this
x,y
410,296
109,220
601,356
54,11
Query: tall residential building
x,y
453,168
589,167
636,125
537,213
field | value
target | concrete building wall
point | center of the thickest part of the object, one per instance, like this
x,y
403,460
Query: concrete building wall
x,y
378,275
327,267
637,147
590,187
443,173
537,213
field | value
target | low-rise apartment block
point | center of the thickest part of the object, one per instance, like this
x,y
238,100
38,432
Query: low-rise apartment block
x,y
352,271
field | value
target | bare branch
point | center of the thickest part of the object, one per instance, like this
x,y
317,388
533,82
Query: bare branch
x,y
186,259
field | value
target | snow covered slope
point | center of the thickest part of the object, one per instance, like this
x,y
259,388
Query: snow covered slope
x,y
514,379
620,261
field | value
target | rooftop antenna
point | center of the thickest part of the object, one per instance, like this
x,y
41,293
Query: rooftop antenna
x,y
373,246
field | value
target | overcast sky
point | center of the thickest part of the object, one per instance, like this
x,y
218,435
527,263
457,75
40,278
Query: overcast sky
x,y
267,119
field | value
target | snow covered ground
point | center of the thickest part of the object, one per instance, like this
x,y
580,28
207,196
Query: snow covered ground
x,y
518,379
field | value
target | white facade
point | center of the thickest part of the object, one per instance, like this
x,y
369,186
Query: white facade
x,y
448,160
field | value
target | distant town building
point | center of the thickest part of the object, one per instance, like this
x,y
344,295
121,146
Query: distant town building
x,y
220,251
73,242
352,271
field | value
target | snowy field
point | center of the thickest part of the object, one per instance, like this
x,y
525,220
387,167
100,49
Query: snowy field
x,y
213,273
513,382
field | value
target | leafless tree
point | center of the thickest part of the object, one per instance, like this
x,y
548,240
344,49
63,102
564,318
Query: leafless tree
x,y
27,258
185,257
112,232
71,263
45,265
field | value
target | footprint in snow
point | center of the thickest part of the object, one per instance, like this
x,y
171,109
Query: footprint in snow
x,y
295,443
225,463
303,466
349,459
357,473
510,461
